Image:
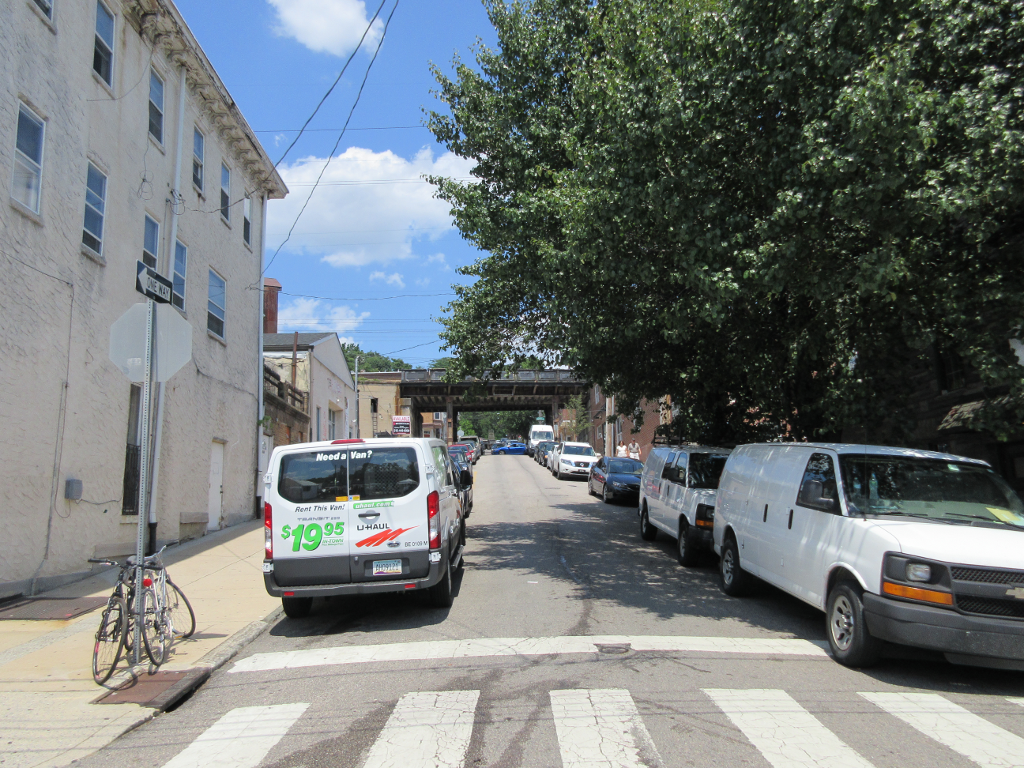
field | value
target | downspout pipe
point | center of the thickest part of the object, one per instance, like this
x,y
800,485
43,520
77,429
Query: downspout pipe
x,y
260,404
168,265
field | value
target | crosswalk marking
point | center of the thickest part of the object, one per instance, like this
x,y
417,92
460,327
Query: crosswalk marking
x,y
601,729
784,732
426,730
240,739
521,646
938,718
1017,701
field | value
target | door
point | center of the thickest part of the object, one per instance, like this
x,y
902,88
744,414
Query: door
x,y
673,496
778,546
660,488
598,476
817,521
215,505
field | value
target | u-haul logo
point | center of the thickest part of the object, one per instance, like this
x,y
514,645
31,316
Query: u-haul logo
x,y
384,536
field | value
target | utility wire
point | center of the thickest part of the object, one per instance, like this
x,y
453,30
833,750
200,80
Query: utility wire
x,y
330,156
332,130
335,83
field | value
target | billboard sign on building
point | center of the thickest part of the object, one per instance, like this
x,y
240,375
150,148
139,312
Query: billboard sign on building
x,y
401,426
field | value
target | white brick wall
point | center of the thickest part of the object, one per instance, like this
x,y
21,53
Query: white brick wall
x,y
63,403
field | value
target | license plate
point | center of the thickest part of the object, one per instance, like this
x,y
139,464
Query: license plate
x,y
387,567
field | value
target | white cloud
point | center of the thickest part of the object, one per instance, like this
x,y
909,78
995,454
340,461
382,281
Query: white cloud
x,y
439,259
326,26
316,315
394,278
423,282
353,225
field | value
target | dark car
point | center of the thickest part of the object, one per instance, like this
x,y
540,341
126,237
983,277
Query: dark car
x,y
463,452
541,453
462,465
615,478
512,448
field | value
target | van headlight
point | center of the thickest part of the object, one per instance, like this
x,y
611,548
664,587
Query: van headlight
x,y
919,572
913,579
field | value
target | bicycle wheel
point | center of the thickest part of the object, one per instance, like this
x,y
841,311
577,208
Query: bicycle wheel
x,y
156,635
109,640
183,618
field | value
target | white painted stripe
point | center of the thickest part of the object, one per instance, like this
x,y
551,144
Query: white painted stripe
x,y
784,732
950,724
240,739
426,730
521,646
601,729
1016,701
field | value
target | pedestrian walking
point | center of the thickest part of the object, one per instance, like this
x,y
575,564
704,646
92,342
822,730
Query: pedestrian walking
x,y
634,449
620,450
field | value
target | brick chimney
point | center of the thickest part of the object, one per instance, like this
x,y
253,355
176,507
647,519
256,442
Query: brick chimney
x,y
270,290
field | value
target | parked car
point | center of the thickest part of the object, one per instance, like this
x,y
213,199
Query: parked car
x,y
615,478
511,448
469,448
553,456
677,495
574,460
478,448
541,453
912,547
538,433
462,452
465,489
361,517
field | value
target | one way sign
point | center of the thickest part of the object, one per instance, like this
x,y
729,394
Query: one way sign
x,y
152,284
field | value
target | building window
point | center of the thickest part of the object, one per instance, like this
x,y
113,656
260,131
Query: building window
x,y
178,288
198,153
215,305
46,7
103,52
28,159
156,107
225,192
952,371
95,201
318,422
332,424
247,220
151,243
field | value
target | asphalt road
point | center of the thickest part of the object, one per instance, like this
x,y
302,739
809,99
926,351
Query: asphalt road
x,y
573,642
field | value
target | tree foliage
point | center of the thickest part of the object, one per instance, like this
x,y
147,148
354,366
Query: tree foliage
x,y
372,361
771,211
501,423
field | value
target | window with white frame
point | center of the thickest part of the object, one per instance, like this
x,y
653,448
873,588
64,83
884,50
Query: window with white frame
x,y
103,50
46,7
156,106
151,243
198,154
332,423
28,159
247,220
215,304
95,205
178,281
225,192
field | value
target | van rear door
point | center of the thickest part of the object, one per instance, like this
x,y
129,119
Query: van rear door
x,y
388,513
310,511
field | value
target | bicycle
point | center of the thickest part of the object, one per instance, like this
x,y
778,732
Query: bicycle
x,y
164,616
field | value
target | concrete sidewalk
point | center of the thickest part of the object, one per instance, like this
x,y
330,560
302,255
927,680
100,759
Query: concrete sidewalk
x,y
47,717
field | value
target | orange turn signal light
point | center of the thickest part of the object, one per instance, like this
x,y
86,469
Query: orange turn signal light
x,y
916,593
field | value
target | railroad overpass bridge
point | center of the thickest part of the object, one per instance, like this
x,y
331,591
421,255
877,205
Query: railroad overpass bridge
x,y
421,390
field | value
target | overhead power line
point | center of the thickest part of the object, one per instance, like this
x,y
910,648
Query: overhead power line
x,y
332,130
355,103
336,81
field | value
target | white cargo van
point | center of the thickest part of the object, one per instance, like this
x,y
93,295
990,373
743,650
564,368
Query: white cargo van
x,y
360,517
538,434
912,547
677,496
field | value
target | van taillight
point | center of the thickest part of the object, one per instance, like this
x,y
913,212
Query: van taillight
x,y
433,522
268,533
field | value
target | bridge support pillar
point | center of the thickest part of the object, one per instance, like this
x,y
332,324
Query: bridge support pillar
x,y
450,422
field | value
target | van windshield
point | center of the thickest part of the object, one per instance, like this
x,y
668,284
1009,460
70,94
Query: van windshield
x,y
348,475
950,491
542,434
706,469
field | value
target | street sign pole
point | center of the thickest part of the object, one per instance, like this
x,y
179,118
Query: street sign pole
x,y
140,539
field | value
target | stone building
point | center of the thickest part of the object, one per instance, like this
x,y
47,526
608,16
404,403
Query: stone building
x,y
121,145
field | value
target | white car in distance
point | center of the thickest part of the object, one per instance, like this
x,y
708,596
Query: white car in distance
x,y
574,460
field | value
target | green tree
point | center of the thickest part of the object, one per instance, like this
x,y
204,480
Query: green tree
x,y
372,361
770,211
578,424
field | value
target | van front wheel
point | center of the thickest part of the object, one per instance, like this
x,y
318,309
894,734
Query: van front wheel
x,y
734,580
848,636
296,607
686,547
647,531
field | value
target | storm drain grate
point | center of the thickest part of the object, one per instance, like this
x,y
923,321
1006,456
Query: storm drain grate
x,y
50,608
161,690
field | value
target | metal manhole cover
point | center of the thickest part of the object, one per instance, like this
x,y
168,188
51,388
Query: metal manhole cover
x,y
50,608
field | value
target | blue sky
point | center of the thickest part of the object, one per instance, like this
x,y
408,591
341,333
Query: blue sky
x,y
372,229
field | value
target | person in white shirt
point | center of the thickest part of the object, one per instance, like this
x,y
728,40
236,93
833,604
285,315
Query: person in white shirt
x,y
634,449
620,450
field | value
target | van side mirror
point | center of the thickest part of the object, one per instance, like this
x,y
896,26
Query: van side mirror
x,y
466,478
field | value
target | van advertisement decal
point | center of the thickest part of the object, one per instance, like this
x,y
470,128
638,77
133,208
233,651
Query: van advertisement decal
x,y
311,536
371,504
383,537
343,455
